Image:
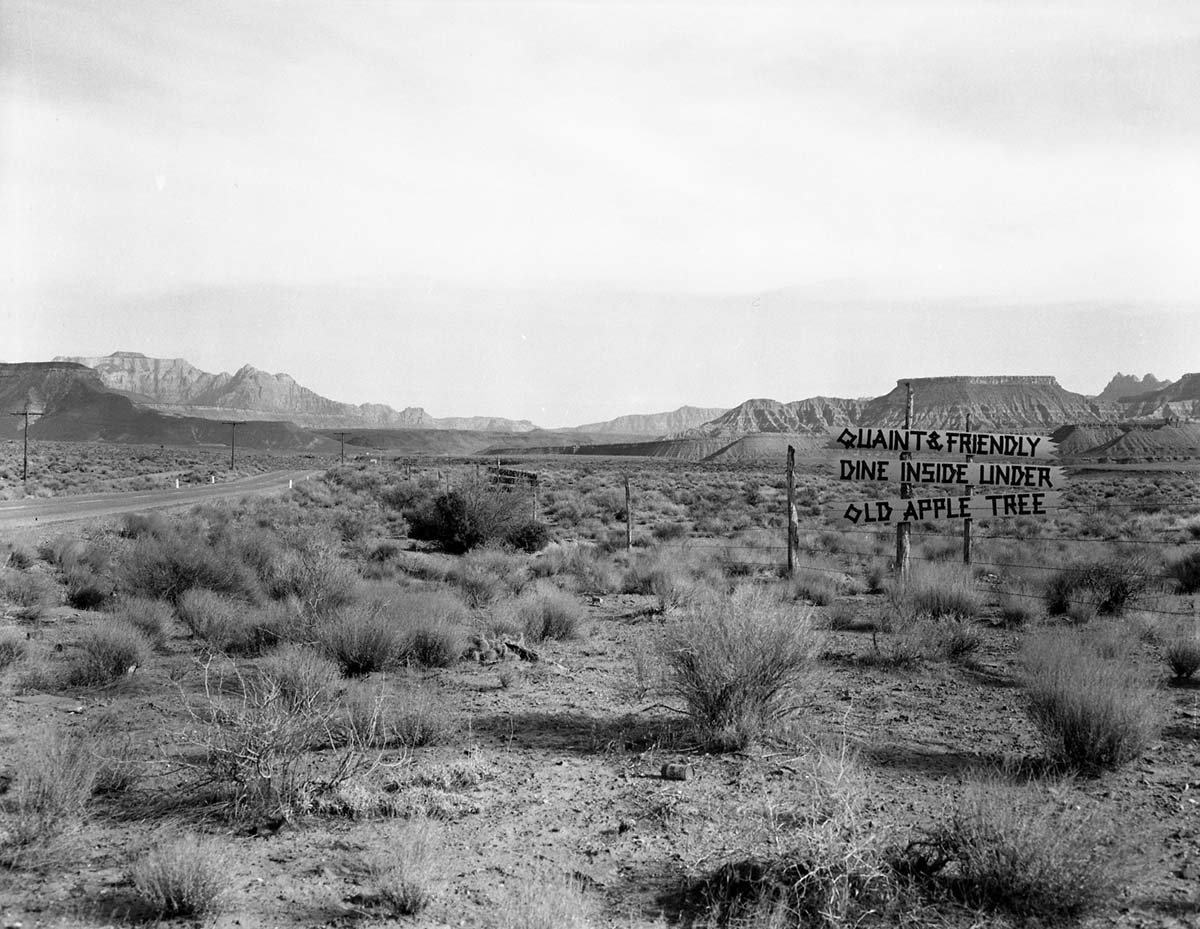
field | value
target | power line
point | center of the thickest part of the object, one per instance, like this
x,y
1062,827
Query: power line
x,y
232,436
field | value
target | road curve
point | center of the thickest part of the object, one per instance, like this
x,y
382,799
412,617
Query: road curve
x,y
16,514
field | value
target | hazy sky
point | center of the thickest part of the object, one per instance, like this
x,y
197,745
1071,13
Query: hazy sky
x,y
570,210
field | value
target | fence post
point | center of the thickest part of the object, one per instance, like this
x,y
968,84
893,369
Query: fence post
x,y
534,484
793,530
970,492
903,529
628,516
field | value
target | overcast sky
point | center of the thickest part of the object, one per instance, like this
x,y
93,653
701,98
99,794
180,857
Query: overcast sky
x,y
567,211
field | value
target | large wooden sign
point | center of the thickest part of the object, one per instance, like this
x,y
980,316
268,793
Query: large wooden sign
x,y
947,441
919,509
960,473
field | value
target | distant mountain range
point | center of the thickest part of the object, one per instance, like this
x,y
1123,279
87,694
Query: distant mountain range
x,y
129,397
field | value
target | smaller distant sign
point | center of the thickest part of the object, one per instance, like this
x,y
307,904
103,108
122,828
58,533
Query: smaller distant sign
x,y
961,473
946,441
892,511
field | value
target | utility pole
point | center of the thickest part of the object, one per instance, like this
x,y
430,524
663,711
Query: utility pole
x,y
628,516
903,537
232,437
342,436
27,412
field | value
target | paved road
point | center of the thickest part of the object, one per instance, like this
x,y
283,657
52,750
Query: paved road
x,y
24,513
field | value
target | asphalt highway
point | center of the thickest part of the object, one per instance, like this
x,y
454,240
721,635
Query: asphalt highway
x,y
16,514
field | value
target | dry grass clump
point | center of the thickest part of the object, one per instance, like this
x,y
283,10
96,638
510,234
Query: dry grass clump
x,y
229,624
53,780
824,862
182,877
937,591
586,568
302,677
408,717
404,877
1183,655
1009,850
734,661
362,637
12,647
1098,587
108,651
1186,573
30,593
1093,712
433,628
548,613
166,567
152,618
546,901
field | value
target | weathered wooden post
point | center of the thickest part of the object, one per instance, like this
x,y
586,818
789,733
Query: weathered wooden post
x,y
793,530
970,490
628,516
903,529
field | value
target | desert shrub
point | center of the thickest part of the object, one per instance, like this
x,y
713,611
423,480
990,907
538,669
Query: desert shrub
x,y
20,557
317,578
1103,586
301,676
1092,712
410,717
547,613
404,875
52,782
1017,610
167,568
1186,573
1183,656
182,877
137,525
841,616
383,552
1007,850
361,638
86,590
529,537
825,862
817,587
479,588
228,624
12,647
734,660
937,591
461,521
152,618
949,638
546,901
438,643
107,652
31,594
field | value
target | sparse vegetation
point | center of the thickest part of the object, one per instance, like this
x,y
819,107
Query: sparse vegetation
x,y
733,662
1093,712
185,877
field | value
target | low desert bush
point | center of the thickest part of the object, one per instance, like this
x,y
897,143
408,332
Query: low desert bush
x,y
547,613
588,569
185,877
303,677
86,590
152,618
734,661
1006,849
362,637
938,591
817,587
228,624
460,521
410,717
12,647
824,863
1093,712
1186,573
108,651
30,593
528,537
1017,610
404,876
315,577
1183,655
1103,586
165,568
546,901
53,780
